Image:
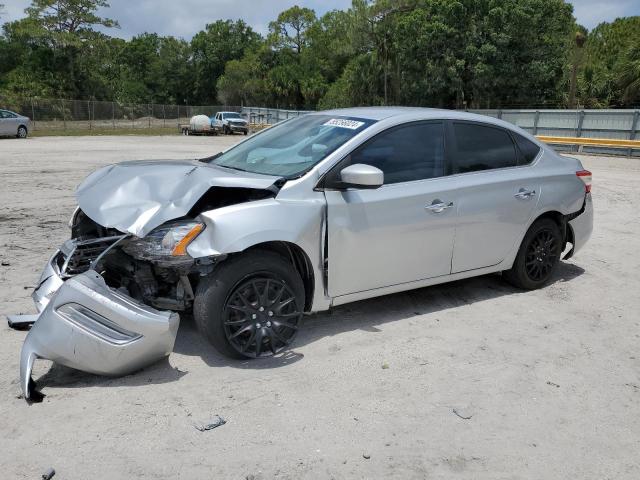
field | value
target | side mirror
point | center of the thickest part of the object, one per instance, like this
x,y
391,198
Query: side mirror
x,y
361,175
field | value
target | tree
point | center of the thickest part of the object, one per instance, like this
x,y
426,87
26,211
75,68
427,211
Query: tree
x,y
289,31
576,48
288,37
607,78
630,76
219,43
55,48
68,22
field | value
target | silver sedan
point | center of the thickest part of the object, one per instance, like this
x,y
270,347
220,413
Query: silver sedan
x,y
13,124
318,211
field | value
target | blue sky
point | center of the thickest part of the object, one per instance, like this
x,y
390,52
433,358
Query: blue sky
x,y
183,18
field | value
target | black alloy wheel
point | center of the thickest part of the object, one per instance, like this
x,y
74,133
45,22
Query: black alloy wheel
x,y
542,254
261,317
251,306
538,256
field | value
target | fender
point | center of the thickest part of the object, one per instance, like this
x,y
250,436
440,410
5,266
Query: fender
x,y
235,228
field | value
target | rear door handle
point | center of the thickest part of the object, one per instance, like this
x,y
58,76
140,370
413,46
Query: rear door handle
x,y
524,194
438,206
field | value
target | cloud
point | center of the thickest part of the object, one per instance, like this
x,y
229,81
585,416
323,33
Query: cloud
x,y
590,13
183,18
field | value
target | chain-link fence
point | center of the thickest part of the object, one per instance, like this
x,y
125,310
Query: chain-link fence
x,y
55,114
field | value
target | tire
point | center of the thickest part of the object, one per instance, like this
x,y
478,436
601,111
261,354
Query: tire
x,y
226,130
538,256
251,306
22,132
246,132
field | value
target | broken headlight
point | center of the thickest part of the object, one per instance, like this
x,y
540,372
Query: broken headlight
x,y
168,242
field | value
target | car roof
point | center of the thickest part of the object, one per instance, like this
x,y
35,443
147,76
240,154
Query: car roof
x,y
381,113
413,113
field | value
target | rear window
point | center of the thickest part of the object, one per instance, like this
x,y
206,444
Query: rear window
x,y
529,150
480,147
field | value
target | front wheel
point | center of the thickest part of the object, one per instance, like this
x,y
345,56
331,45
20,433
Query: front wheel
x,y
22,132
251,306
538,256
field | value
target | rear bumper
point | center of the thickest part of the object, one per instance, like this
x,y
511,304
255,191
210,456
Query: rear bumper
x,y
88,326
582,226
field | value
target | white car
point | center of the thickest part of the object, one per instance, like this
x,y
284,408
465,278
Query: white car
x,y
13,124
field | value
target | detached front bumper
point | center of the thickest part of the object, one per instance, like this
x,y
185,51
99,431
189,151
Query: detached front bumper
x,y
86,325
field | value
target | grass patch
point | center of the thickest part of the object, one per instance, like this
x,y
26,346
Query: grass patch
x,y
79,132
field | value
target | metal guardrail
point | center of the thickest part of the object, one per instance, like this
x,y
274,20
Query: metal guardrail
x,y
579,131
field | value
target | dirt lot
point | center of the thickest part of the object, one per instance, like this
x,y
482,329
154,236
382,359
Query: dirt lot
x,y
549,380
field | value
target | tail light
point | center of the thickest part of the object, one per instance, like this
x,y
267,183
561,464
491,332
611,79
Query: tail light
x,y
585,176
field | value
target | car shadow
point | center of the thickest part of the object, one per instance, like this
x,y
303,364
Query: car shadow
x,y
365,315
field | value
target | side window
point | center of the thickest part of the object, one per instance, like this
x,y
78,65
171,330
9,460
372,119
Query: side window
x,y
480,147
529,150
406,153
1,113
9,114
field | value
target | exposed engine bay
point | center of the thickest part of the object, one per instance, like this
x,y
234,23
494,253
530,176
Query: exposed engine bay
x,y
135,266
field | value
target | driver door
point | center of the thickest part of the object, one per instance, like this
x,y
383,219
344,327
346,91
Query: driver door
x,y
393,234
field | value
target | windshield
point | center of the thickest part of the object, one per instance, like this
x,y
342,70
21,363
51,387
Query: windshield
x,y
231,115
292,147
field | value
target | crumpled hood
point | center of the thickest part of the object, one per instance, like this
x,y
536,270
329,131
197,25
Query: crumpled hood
x,y
136,197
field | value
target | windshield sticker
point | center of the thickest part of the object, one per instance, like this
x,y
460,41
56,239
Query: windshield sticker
x,y
342,123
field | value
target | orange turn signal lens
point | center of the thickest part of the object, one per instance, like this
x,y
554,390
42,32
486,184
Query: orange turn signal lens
x,y
181,248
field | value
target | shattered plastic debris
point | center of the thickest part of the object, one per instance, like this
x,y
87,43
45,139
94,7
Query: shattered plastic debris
x,y
21,322
462,415
48,475
217,422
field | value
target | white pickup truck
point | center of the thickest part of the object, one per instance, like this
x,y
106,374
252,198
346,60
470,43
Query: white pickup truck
x,y
230,122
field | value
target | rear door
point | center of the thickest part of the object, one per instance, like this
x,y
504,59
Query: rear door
x,y
5,124
394,234
497,193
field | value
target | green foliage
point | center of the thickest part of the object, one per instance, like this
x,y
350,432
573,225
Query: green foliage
x,y
610,75
630,75
443,53
211,49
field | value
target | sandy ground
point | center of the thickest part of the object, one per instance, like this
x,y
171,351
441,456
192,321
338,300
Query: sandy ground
x,y
550,379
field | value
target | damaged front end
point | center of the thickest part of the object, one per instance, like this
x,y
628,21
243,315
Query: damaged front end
x,y
104,300
108,297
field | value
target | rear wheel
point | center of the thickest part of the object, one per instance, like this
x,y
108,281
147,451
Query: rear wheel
x,y
538,256
251,306
22,132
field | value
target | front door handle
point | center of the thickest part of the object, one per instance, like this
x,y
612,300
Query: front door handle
x,y
438,206
524,194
